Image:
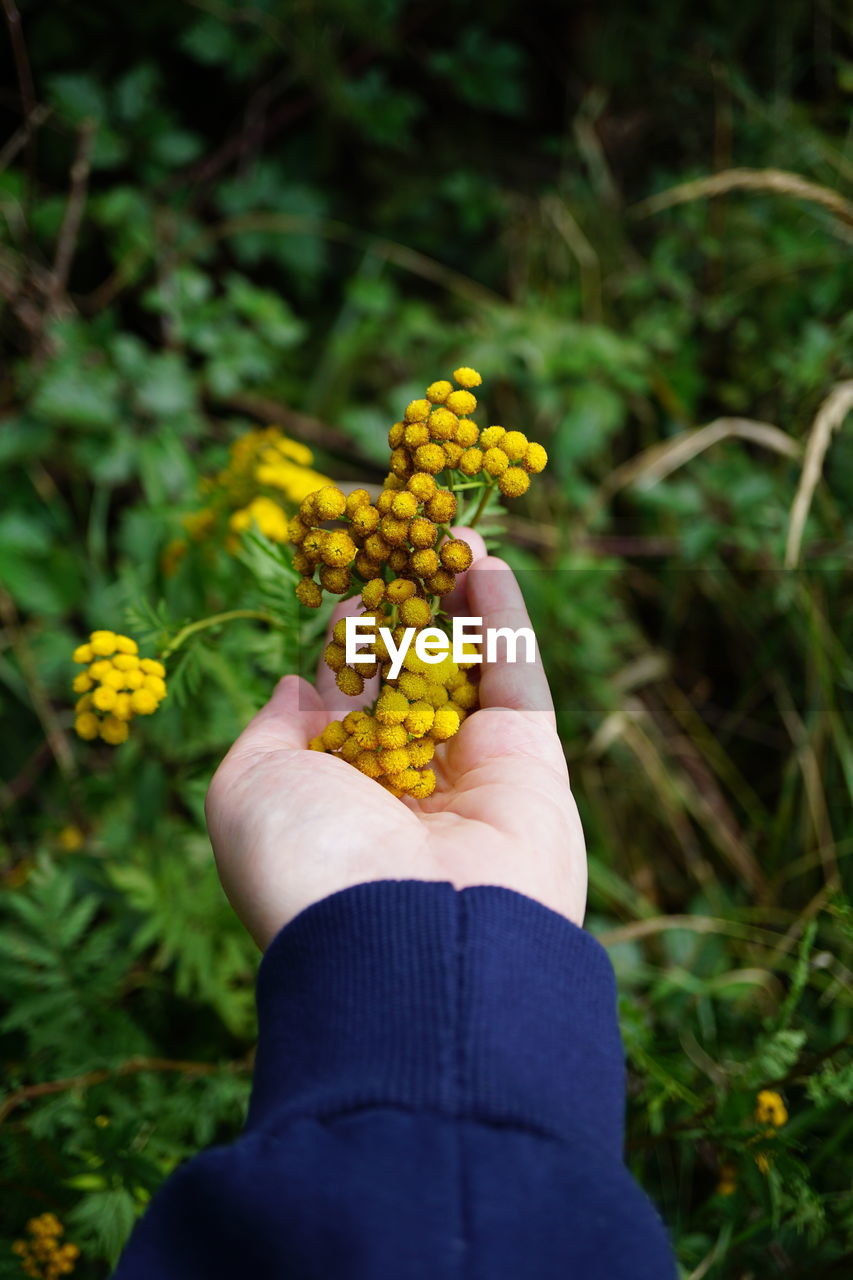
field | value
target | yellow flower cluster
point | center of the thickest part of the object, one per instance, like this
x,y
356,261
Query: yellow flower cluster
x,y
265,469
423,706
115,686
397,552
771,1111
42,1255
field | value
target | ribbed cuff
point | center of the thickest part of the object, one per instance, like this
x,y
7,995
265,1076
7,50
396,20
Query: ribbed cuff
x,y
478,1003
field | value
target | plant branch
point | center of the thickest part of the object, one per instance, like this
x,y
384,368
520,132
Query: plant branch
x,y
25,83
133,1066
214,621
66,242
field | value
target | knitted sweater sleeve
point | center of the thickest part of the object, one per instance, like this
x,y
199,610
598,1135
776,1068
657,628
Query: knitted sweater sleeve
x,y
438,1094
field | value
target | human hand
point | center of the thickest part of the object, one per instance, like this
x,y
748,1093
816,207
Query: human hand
x,y
290,826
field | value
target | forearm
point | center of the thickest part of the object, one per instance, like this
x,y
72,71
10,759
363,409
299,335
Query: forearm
x,y
439,1077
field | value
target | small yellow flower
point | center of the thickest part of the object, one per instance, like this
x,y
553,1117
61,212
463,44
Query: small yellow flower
x,y
535,459
334,735
455,554
443,423
429,458
424,786
368,763
392,706
515,445
400,589
417,411
467,377
442,506
70,838
415,612
416,434
309,593
339,550
420,752
123,709
349,682
437,392
422,532
471,462
495,461
114,730
83,653
770,1109
461,402
445,724
514,482
404,505
491,436
420,718
143,702
727,1184
391,736
423,486
104,697
467,433
103,643
329,503
412,686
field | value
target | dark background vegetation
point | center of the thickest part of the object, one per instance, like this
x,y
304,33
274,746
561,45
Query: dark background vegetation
x,y
636,221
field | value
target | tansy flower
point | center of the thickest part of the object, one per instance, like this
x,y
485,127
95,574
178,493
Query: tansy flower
x,y
514,482
266,514
388,550
437,392
70,838
514,444
495,461
116,685
429,458
770,1109
467,377
41,1255
417,411
491,436
462,403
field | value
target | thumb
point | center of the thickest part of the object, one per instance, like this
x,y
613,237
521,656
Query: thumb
x,y
494,594
293,715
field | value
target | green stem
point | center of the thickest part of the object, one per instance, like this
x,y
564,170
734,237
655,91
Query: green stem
x,y
487,493
213,621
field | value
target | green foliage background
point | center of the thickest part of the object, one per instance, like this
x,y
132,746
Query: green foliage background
x,y
215,215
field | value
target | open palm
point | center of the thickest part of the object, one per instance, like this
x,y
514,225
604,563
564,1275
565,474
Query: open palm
x,y
290,826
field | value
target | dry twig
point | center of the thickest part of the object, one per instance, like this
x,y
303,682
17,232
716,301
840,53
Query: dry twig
x,y
775,181
66,242
133,1066
829,418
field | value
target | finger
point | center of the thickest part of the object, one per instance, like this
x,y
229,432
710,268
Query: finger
x,y
456,602
293,715
337,704
494,595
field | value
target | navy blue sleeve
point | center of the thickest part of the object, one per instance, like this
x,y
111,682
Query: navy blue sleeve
x,y
438,1093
